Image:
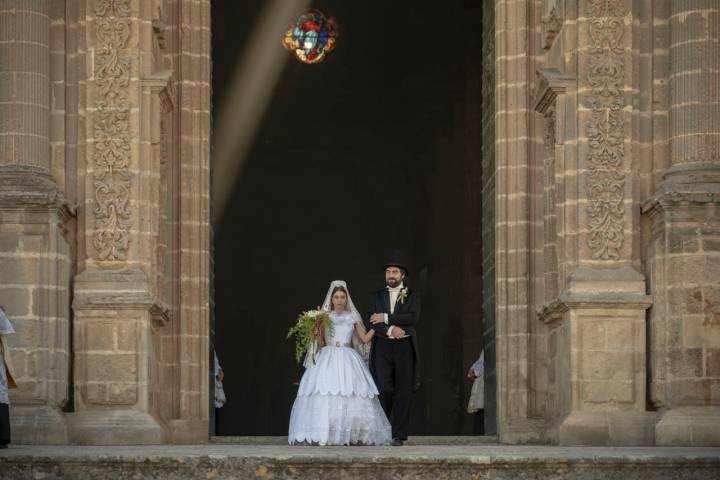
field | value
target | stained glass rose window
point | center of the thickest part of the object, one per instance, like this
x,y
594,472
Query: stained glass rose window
x,y
311,37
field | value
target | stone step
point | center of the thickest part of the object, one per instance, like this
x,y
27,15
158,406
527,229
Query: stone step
x,y
418,462
417,440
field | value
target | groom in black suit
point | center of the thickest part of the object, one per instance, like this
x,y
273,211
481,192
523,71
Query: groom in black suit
x,y
394,360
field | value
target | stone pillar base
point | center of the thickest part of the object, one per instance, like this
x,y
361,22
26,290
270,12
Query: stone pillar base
x,y
38,425
181,431
689,426
114,427
521,430
621,428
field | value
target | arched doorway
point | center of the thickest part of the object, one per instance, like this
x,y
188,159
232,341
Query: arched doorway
x,y
378,147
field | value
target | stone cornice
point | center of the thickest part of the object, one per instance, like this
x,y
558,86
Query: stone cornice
x,y
27,187
119,290
606,288
160,83
686,185
551,83
552,312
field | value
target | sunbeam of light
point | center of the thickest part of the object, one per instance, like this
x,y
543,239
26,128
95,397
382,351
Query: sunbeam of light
x,y
250,89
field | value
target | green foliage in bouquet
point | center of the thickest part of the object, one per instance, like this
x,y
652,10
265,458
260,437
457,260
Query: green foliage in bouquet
x,y
306,330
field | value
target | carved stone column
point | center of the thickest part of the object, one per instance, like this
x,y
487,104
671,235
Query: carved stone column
x,y
595,296
685,249
117,308
34,253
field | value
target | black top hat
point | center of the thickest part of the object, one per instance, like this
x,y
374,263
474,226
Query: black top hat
x,y
397,259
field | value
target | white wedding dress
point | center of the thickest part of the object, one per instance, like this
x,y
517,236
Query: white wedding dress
x,y
337,401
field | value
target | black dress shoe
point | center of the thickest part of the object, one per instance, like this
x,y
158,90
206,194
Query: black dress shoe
x,y
396,442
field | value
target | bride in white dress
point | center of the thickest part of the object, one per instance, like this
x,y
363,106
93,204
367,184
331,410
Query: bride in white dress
x,y
337,401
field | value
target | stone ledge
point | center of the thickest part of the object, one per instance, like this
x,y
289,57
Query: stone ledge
x,y
420,462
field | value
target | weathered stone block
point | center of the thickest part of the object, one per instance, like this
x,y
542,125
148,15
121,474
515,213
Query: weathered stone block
x,y
607,365
608,391
712,362
112,393
28,389
127,335
99,336
16,301
684,270
682,241
686,363
28,332
26,363
594,334
689,391
712,269
711,244
9,242
693,332
111,368
621,335
191,380
685,300
22,271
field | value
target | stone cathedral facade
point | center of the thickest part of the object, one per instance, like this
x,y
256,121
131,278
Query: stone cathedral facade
x,y
603,157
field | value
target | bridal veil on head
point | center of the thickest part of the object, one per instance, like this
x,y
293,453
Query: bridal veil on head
x,y
362,348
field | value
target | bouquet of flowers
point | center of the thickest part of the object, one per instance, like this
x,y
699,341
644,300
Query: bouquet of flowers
x,y
309,332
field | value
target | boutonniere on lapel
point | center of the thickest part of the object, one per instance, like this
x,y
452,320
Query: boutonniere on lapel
x,y
402,295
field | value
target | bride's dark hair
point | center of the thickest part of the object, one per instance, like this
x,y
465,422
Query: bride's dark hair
x,y
339,288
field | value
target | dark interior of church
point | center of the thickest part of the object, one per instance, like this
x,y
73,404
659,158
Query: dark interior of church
x,y
374,149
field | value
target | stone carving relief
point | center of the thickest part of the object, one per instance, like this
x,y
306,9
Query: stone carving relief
x,y
605,179
112,131
550,220
160,27
552,22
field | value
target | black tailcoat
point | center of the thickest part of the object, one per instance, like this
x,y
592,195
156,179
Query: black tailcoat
x,y
406,316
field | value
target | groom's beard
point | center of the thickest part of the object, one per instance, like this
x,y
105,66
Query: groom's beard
x,y
392,283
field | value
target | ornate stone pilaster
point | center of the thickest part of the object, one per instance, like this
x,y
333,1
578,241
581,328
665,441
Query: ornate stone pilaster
x,y
34,252
116,304
596,303
551,103
606,166
684,252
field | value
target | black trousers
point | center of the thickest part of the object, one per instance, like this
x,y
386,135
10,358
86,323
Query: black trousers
x,y
4,424
479,422
394,370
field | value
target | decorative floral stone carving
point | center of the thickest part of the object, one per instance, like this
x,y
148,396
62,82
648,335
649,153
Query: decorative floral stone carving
x,y
113,180
605,179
